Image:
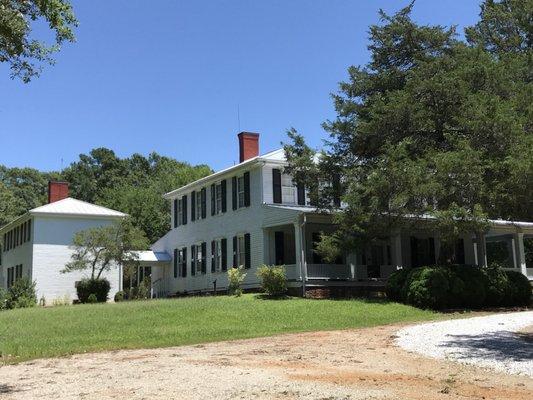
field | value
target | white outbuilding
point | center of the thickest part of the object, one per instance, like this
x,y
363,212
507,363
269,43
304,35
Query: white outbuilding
x,y
38,244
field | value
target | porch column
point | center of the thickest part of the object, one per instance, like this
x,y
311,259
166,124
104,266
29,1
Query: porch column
x,y
520,253
481,250
397,250
300,250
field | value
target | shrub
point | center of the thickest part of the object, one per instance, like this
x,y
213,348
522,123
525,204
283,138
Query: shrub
x,y
21,294
92,299
496,285
141,292
3,299
273,279
62,301
428,287
119,296
395,284
235,279
474,293
99,287
519,293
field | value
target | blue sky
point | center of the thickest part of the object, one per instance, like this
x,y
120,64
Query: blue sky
x,y
169,76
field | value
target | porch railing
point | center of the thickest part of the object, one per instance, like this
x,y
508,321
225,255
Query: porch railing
x,y
338,271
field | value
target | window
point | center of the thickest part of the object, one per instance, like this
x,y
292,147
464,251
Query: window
x,y
179,212
198,205
216,255
198,258
241,251
13,274
240,191
218,199
288,190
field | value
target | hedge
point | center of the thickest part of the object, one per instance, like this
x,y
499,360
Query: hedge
x,y
99,287
459,286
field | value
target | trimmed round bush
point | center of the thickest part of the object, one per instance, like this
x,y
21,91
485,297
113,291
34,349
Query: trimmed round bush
x,y
428,287
119,296
496,286
395,284
519,293
99,287
474,293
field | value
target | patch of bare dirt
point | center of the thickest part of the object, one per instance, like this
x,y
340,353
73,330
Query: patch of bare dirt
x,y
352,364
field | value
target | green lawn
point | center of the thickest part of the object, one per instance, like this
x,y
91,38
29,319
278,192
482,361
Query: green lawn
x,y
34,333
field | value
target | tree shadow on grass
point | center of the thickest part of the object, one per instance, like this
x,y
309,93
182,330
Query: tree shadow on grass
x,y
499,346
263,296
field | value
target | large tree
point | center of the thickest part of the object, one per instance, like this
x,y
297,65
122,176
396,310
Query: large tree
x,y
24,53
432,125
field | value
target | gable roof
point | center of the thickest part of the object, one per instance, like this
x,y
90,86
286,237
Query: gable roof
x,y
74,207
275,157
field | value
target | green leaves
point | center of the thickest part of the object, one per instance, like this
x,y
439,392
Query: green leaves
x,y
18,48
430,127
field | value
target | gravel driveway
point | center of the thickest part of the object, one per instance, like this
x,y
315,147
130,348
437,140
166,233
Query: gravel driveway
x,y
340,365
490,341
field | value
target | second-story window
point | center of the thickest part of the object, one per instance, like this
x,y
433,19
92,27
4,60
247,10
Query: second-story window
x,y
198,206
240,191
288,190
180,212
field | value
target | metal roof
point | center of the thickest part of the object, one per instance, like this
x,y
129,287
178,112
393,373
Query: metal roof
x,y
74,207
153,256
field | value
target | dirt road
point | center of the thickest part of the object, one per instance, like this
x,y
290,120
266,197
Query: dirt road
x,y
355,364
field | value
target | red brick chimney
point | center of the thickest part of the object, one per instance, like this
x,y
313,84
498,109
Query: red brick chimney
x,y
248,145
57,191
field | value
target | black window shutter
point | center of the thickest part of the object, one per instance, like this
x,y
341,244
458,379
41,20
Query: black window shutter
x,y
175,263
184,265
280,247
213,248
460,251
213,199
431,252
224,244
300,191
193,261
184,209
234,192
203,193
223,190
246,189
235,251
193,206
247,251
276,185
175,213
414,252
204,257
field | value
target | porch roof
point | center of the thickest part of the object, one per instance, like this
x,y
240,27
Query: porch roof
x,y
153,256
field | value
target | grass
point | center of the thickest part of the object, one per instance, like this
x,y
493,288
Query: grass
x,y
36,332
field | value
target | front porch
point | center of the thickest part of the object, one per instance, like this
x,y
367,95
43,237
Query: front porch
x,y
291,241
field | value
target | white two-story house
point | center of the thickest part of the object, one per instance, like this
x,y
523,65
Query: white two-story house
x,y
251,214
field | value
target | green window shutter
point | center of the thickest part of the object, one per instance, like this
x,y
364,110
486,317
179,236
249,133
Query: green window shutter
x,y
234,192
224,244
204,257
224,200
203,195
247,251
175,263
193,206
184,265
247,189
300,191
184,210
175,213
213,199
276,186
